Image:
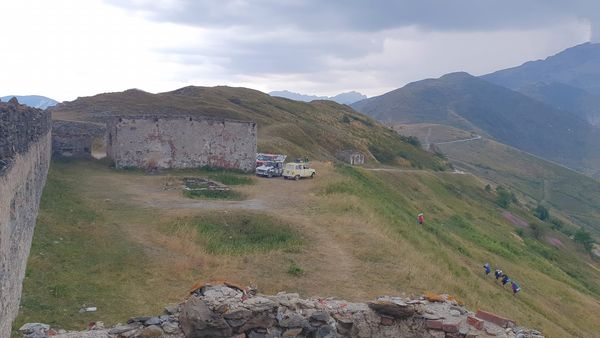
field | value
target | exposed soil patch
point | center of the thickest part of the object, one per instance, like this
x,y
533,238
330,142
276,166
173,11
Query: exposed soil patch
x,y
554,242
515,220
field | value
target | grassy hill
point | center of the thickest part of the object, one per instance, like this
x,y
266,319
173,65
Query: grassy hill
x,y
318,129
119,241
470,103
128,242
571,194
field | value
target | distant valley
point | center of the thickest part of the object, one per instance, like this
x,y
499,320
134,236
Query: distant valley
x,y
343,98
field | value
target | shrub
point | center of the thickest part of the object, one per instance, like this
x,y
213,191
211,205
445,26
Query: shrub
x,y
541,212
583,237
295,270
504,197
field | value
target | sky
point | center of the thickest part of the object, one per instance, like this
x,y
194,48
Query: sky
x,y
64,49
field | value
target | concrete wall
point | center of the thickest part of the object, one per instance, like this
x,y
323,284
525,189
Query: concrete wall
x,y
351,156
181,142
24,159
74,139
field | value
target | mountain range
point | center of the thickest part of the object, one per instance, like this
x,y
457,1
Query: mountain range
x,y
548,108
569,80
35,101
343,98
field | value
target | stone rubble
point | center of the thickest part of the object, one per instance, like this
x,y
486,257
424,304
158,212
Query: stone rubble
x,y
228,311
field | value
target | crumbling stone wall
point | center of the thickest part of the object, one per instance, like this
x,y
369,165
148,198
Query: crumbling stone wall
x,y
181,142
74,139
229,311
24,160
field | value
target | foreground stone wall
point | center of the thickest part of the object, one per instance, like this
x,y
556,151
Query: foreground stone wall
x,y
228,311
181,142
24,159
74,139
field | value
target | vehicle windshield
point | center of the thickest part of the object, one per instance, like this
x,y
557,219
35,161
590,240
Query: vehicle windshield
x,y
263,157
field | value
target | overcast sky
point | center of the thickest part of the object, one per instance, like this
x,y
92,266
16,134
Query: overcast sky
x,y
69,48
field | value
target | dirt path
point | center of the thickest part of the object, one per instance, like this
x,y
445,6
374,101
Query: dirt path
x,y
546,196
478,137
291,201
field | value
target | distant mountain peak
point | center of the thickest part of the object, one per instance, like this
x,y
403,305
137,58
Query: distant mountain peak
x,y
343,98
34,101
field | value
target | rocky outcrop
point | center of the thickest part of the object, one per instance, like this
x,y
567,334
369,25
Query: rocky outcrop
x,y
24,160
228,311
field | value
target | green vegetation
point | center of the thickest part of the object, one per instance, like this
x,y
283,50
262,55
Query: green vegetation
x,y
78,258
295,270
460,233
542,213
565,192
504,197
242,233
584,238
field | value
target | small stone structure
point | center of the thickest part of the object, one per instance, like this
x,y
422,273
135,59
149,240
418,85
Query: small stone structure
x,y
229,311
24,161
75,139
155,142
354,157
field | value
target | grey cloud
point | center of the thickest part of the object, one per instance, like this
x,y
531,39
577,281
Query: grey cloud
x,y
368,16
292,52
330,43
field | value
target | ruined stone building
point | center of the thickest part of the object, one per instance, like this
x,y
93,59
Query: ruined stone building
x,y
352,157
151,142
24,160
75,139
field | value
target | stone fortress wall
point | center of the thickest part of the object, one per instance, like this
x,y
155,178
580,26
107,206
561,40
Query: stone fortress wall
x,y
24,160
155,142
74,138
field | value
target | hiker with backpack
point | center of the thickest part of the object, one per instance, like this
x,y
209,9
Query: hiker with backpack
x,y
515,287
487,268
505,279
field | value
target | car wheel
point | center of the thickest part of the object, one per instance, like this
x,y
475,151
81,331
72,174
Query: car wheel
x,y
269,175
297,177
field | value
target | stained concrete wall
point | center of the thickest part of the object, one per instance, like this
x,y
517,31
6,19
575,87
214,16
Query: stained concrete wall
x,y
351,156
74,139
181,142
24,159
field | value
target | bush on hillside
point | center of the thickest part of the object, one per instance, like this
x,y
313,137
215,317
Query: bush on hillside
x,y
583,237
504,197
537,231
541,212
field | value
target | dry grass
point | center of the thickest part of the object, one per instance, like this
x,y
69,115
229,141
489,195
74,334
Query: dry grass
x,y
359,241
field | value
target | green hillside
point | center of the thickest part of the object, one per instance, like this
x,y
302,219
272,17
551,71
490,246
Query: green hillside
x,y
470,103
573,195
126,242
318,129
119,241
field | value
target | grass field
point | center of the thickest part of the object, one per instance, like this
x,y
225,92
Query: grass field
x,y
103,239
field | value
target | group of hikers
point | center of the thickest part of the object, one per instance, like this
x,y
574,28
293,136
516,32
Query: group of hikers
x,y
504,279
